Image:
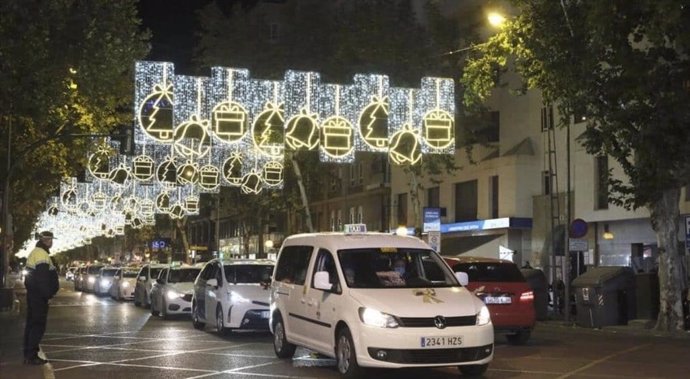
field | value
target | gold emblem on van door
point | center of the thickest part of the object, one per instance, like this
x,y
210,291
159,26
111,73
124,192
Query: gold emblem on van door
x,y
428,295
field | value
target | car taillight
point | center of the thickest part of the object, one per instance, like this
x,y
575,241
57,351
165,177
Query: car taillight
x,y
527,296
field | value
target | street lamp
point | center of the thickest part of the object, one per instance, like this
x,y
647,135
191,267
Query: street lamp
x,y
496,19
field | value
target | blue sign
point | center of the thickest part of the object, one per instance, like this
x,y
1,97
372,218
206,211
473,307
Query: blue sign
x,y
161,243
494,223
432,220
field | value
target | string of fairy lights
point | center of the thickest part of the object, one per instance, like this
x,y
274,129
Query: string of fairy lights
x,y
194,134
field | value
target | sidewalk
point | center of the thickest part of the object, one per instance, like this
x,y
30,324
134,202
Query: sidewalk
x,y
12,339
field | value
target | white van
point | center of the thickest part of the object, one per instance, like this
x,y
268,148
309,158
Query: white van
x,y
376,300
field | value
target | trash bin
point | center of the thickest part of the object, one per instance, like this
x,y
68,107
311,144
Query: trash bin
x,y
605,296
538,283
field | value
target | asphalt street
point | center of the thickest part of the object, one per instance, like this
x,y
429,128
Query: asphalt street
x,y
96,337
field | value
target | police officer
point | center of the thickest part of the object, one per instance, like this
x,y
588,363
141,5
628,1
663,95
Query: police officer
x,y
41,284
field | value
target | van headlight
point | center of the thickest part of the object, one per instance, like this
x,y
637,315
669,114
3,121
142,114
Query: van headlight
x,y
92,280
373,317
125,284
483,317
172,295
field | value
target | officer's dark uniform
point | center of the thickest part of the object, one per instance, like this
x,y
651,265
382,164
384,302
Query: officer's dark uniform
x,y
41,284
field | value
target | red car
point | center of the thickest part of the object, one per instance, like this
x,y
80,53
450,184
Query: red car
x,y
503,288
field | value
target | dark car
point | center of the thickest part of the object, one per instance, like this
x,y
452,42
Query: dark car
x,y
504,290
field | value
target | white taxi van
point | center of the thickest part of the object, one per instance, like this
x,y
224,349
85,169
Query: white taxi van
x,y
376,300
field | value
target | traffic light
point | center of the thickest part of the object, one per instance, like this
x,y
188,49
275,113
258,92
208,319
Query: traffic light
x,y
125,135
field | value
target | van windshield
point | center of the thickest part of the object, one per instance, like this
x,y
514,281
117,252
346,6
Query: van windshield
x,y
183,275
394,268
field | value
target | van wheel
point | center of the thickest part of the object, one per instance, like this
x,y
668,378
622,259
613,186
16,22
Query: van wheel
x,y
282,347
220,328
195,318
473,370
345,356
519,338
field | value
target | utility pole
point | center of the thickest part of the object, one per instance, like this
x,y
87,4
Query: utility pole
x,y
566,264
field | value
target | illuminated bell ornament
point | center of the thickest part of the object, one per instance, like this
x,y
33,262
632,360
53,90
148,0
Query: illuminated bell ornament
x,y
143,167
405,148
209,177
163,202
176,211
156,113
132,204
119,176
273,173
232,169
136,223
251,184
438,128
166,173
373,123
269,130
303,131
229,121
187,174
337,139
192,139
84,208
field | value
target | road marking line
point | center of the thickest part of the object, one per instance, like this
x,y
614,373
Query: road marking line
x,y
593,363
92,363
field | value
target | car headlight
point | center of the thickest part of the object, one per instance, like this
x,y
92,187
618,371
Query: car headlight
x,y
105,282
125,284
92,280
25,272
483,317
172,295
373,317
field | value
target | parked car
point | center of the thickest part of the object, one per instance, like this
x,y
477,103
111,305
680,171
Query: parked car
x,y
89,282
70,273
376,300
124,283
104,280
145,278
80,278
172,292
232,294
503,288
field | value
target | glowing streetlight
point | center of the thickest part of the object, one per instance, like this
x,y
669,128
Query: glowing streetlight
x,y
496,19
401,230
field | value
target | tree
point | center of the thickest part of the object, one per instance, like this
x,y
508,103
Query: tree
x,y
626,66
65,67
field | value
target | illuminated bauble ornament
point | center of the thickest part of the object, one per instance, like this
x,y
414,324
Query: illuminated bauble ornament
x,y
143,167
232,169
187,173
405,148
192,139
438,129
128,217
163,202
176,211
99,163
119,176
132,204
117,204
166,173
303,131
337,139
229,121
53,210
251,184
99,201
209,177
273,173
69,199
191,204
269,131
156,113
373,123
110,233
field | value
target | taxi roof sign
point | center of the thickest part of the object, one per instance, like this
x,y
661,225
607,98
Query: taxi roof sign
x,y
355,228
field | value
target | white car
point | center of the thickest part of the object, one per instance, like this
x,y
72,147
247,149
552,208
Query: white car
x,y
376,300
88,283
172,292
145,279
104,280
232,294
123,283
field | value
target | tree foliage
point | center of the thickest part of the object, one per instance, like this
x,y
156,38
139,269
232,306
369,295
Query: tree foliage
x,y
625,65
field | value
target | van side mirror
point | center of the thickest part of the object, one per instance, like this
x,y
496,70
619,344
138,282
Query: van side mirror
x,y
213,282
142,278
321,281
160,281
462,277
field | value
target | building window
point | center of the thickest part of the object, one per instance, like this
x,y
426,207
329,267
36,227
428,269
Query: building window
x,y
546,182
493,196
402,209
466,201
547,118
493,129
433,195
360,172
273,32
602,182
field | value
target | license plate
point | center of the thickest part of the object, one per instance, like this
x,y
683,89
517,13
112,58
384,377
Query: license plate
x,y
497,300
441,341
265,314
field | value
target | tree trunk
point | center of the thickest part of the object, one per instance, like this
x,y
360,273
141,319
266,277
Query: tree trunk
x,y
416,203
303,194
182,228
664,218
